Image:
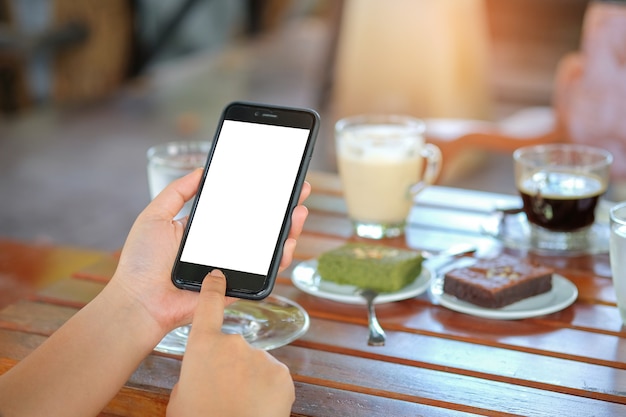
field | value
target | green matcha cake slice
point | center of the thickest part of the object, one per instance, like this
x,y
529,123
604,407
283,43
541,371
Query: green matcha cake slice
x,y
378,267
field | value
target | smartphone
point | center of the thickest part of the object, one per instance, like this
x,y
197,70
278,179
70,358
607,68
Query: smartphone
x,y
241,214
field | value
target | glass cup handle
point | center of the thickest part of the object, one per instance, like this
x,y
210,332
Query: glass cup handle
x,y
432,155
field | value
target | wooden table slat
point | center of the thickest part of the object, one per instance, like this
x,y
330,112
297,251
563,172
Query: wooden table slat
x,y
328,401
16,345
35,317
70,291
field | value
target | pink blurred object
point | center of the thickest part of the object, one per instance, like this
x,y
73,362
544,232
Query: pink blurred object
x,y
590,90
589,102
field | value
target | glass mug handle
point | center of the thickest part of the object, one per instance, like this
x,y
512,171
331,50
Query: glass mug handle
x,y
432,155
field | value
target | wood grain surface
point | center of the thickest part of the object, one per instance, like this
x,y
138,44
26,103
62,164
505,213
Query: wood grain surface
x,y
436,362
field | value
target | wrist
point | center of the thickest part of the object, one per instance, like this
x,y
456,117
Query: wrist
x,y
126,308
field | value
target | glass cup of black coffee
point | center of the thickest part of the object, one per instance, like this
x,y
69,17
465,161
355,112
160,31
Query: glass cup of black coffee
x,y
560,185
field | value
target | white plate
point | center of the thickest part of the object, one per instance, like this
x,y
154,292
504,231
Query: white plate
x,y
562,295
306,278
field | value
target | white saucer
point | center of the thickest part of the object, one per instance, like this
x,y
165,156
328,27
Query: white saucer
x,y
265,324
562,295
306,278
514,231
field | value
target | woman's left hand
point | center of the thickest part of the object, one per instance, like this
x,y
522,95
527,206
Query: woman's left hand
x,y
147,258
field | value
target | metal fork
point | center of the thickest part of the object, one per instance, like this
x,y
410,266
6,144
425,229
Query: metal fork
x,y
377,334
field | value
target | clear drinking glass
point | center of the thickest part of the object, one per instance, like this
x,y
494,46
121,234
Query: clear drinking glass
x,y
173,160
266,324
618,255
560,185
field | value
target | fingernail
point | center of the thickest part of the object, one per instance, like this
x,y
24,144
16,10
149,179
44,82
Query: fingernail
x,y
217,273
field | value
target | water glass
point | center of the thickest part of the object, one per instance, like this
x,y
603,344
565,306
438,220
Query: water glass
x,y
618,255
172,160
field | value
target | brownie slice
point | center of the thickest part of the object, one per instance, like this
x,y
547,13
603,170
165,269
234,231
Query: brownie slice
x,y
378,267
498,282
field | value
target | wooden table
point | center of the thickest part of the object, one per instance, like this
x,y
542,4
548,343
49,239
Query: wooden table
x,y
436,362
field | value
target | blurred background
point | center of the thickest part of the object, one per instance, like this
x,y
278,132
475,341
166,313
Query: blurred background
x,y
86,87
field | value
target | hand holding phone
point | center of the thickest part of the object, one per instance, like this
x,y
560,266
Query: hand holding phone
x,y
241,215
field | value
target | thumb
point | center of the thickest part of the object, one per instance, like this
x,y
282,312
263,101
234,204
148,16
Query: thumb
x,y
172,198
209,315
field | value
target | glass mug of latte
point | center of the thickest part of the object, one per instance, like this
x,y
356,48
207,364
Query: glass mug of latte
x,y
383,163
560,185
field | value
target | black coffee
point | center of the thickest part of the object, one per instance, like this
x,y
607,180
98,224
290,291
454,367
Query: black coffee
x,y
561,201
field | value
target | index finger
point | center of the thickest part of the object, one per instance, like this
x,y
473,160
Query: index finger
x,y
209,315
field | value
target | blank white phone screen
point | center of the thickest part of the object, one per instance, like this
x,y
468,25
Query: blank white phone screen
x,y
246,193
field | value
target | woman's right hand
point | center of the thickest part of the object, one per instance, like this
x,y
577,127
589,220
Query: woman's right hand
x,y
222,375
